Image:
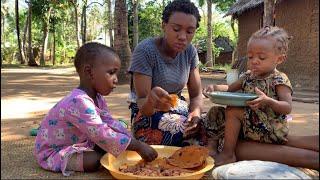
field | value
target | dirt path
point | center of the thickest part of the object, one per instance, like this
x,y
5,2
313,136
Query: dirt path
x,y
28,93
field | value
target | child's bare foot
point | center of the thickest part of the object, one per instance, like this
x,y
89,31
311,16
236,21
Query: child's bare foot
x,y
212,147
224,158
212,153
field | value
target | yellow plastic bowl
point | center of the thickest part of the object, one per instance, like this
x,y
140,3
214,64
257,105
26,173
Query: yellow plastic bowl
x,y
131,157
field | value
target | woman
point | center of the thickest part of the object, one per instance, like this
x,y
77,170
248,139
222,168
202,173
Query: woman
x,y
163,66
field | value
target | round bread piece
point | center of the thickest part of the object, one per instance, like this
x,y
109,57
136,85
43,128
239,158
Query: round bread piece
x,y
174,100
189,157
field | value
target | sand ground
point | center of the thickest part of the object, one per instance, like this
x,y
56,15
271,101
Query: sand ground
x,y
28,93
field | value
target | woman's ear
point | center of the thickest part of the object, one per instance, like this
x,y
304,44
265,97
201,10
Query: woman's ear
x,y
163,25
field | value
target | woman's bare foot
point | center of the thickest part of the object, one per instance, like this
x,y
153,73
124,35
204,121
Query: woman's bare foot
x,y
224,158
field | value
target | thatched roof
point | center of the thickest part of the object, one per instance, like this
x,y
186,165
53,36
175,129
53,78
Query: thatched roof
x,y
224,43
243,5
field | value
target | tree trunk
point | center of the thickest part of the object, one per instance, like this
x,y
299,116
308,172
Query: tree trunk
x,y
84,22
235,49
110,23
31,61
209,35
25,32
54,47
21,55
268,17
135,23
121,43
76,19
45,37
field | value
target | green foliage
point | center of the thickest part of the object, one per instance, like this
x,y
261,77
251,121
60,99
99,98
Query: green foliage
x,y
62,25
223,5
149,20
221,29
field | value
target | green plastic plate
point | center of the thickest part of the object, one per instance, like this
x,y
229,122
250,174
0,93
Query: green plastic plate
x,y
231,98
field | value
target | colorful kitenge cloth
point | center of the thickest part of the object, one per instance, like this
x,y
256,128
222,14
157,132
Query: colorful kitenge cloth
x,y
165,128
262,125
74,125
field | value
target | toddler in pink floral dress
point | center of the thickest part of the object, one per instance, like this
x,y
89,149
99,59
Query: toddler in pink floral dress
x,y
79,129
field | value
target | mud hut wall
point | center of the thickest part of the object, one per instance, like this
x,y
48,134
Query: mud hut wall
x,y
248,23
301,20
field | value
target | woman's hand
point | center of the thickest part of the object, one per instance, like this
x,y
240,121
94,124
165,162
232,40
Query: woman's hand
x,y
193,125
260,102
160,99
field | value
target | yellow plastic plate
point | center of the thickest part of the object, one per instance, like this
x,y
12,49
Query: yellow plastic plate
x,y
131,157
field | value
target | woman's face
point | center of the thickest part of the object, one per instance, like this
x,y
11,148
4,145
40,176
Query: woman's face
x,y
179,30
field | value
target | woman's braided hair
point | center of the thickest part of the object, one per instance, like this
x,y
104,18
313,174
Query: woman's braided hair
x,y
278,34
185,6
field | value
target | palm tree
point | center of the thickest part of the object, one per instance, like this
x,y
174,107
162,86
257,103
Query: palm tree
x,y
74,3
31,61
209,35
121,38
21,56
135,23
209,58
110,23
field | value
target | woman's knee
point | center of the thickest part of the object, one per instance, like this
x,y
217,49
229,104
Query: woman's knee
x,y
91,161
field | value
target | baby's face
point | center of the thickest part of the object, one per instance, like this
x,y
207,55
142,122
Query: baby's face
x,y
105,74
263,57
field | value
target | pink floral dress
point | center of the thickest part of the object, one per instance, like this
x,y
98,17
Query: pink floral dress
x,y
74,125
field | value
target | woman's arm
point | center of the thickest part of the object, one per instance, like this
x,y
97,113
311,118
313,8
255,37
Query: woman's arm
x,y
149,99
142,85
194,90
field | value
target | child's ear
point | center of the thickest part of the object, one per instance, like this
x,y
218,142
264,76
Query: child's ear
x,y
281,58
87,69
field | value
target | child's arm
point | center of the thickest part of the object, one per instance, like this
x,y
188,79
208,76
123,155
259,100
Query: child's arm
x,y
143,149
281,106
83,115
223,87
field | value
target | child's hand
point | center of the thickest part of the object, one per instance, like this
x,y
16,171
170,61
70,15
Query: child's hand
x,y
160,99
208,89
146,152
260,102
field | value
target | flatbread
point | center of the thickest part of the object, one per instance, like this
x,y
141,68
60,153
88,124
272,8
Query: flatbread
x,y
189,157
174,100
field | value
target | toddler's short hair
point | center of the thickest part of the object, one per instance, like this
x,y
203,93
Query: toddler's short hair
x,y
89,52
278,34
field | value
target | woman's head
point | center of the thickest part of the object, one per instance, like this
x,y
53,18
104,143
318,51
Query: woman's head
x,y
180,19
97,66
267,48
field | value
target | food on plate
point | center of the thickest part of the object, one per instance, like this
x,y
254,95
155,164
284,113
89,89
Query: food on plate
x,y
174,100
185,160
189,157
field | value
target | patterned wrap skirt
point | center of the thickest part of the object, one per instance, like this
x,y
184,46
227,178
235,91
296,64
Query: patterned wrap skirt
x,y
166,128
